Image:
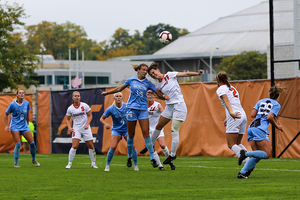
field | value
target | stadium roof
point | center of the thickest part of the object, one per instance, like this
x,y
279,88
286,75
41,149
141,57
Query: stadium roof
x,y
247,30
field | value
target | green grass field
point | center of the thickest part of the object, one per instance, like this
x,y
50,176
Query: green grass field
x,y
194,178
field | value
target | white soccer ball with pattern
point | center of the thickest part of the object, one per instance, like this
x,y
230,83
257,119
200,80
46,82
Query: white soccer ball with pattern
x,y
165,37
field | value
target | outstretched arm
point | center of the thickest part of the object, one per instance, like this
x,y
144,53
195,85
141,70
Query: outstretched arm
x,y
161,96
115,90
186,74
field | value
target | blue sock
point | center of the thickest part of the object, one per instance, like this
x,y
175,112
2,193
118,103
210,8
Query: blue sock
x,y
256,154
17,152
32,150
134,157
149,146
129,146
110,155
250,164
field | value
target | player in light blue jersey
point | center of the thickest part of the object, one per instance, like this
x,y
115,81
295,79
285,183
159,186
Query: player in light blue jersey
x,y
18,125
137,108
264,113
117,111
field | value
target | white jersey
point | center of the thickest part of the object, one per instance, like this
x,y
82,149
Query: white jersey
x,y
79,115
233,97
169,86
154,114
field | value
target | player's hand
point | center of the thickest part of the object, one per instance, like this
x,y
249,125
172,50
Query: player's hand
x,y
7,129
167,97
236,115
103,93
200,71
225,122
279,127
86,126
71,130
107,126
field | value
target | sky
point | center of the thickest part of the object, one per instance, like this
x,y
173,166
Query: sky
x,y
101,18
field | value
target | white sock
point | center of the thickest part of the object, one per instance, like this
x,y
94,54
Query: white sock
x,y
156,157
72,154
175,142
154,135
92,154
166,151
236,149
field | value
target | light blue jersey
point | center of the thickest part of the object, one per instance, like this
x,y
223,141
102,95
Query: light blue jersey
x,y
138,92
18,116
264,107
118,116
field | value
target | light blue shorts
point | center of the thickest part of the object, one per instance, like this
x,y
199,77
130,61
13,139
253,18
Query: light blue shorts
x,y
257,134
134,115
20,131
119,133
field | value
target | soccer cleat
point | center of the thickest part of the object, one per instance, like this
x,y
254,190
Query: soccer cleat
x,y
35,163
136,168
249,172
16,165
94,166
242,156
144,150
69,166
169,159
106,168
161,168
241,175
173,167
153,163
129,162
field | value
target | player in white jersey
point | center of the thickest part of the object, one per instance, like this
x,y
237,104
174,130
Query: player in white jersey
x,y
236,119
82,117
154,111
175,107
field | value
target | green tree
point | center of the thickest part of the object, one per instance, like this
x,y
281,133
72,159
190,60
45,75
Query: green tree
x,y
246,65
17,63
57,39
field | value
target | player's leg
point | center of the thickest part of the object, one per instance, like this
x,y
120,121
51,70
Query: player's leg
x,y
130,139
29,138
72,152
92,153
16,136
115,139
144,124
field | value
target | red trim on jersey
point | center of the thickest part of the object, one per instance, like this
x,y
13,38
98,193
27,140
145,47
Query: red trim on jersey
x,y
162,78
76,106
151,104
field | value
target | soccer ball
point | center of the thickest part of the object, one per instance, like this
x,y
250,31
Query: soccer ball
x,y
165,37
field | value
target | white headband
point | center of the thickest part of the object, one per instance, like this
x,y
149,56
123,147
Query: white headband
x,y
118,93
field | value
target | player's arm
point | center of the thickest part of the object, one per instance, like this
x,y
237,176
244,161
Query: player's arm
x,y
161,96
186,74
27,118
68,120
160,108
102,120
7,129
271,118
253,113
229,108
90,117
115,90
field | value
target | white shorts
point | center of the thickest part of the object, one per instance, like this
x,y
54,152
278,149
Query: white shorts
x,y
86,134
237,126
177,111
162,134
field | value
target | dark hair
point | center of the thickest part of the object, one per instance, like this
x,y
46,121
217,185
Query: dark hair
x,y
222,77
154,66
275,91
136,67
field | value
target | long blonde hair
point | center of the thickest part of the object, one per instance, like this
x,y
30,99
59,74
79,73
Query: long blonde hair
x,y
114,103
275,91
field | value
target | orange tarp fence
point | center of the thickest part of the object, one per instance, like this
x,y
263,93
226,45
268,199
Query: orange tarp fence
x,y
203,133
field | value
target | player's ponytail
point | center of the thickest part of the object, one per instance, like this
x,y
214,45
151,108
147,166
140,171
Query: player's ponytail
x,y
222,77
275,91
